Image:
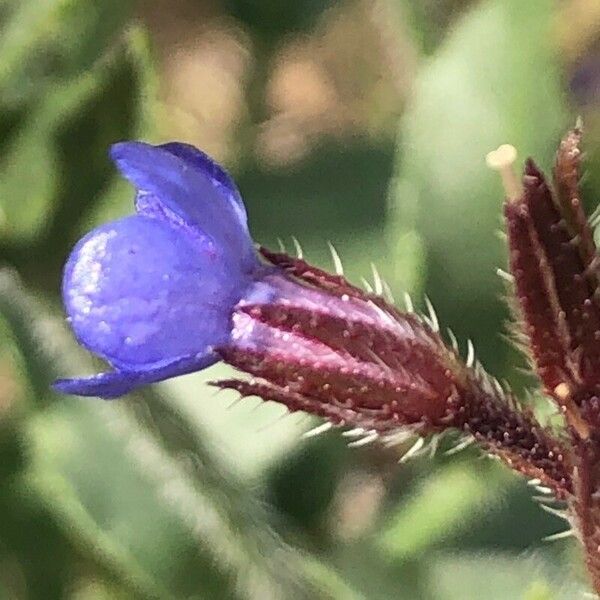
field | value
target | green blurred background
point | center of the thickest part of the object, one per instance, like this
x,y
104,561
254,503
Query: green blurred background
x,y
362,122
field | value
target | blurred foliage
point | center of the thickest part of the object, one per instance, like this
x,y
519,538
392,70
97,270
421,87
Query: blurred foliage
x,y
270,20
171,494
494,78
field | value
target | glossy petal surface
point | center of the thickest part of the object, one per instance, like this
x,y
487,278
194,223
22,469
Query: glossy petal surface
x,y
210,168
141,292
119,383
171,184
153,294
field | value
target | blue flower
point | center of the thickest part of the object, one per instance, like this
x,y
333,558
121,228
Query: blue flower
x,y
153,293
179,286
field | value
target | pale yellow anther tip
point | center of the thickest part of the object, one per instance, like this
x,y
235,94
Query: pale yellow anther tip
x,y
504,156
502,160
562,391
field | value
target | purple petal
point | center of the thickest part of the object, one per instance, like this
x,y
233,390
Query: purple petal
x,y
119,383
141,292
174,187
205,164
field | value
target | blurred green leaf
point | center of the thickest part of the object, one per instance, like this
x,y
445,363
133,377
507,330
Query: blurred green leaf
x,y
24,26
326,182
431,19
32,336
43,42
55,167
271,19
494,80
27,181
445,503
499,577
152,503
349,210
